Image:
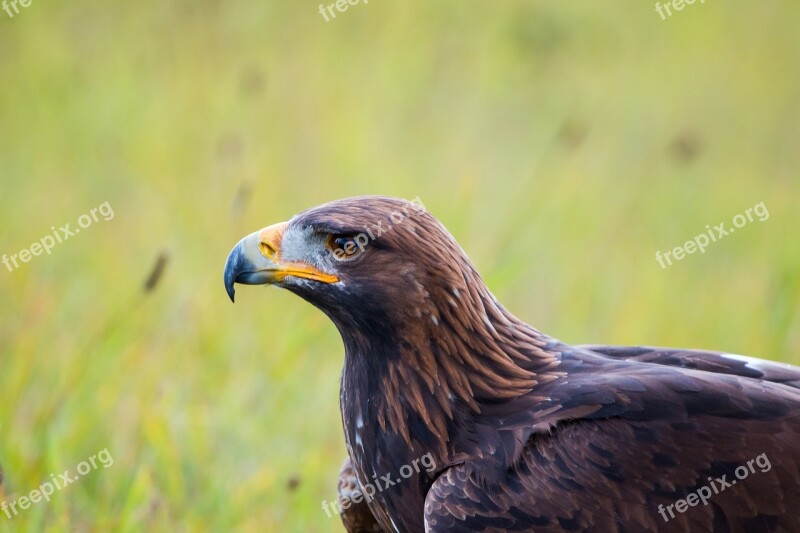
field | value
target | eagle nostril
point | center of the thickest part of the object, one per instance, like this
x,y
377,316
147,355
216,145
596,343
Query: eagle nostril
x,y
267,249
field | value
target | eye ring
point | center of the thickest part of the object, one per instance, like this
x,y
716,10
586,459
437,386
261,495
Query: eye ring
x,y
346,247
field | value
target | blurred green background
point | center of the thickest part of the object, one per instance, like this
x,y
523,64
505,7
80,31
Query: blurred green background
x,y
563,144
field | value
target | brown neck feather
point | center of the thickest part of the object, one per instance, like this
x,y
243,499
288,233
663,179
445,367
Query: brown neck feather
x,y
461,349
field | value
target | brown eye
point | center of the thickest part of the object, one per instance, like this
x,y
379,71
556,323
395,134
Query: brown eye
x,y
346,247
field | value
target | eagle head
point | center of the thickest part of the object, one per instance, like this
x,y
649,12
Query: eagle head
x,y
368,262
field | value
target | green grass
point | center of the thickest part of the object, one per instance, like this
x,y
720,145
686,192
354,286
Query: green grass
x,y
546,136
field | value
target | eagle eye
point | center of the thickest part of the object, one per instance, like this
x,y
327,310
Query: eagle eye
x,y
346,247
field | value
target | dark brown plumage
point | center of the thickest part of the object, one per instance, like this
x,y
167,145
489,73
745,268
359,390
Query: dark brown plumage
x,y
526,432
354,509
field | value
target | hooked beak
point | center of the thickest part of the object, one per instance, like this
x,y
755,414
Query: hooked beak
x,y
256,260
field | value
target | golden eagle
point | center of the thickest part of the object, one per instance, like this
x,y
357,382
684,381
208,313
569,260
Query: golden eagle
x,y
523,431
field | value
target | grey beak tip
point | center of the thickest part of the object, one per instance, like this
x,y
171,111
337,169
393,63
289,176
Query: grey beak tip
x,y
240,267
231,271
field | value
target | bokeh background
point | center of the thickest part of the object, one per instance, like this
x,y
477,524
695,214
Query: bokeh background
x,y
563,144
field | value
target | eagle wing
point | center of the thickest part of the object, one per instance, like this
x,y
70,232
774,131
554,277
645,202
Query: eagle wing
x,y
647,440
708,361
